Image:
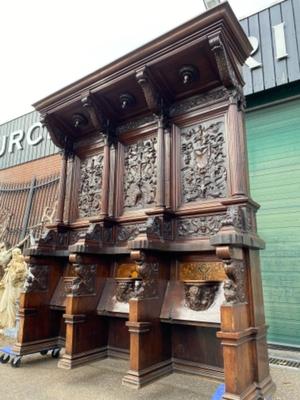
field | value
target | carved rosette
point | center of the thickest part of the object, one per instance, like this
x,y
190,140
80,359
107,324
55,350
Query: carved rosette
x,y
235,285
203,162
37,278
84,282
89,201
140,175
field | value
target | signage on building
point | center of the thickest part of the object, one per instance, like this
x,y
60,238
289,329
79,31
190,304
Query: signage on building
x,y
16,140
24,139
279,42
275,37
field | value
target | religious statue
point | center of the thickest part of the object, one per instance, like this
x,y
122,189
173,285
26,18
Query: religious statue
x,y
10,288
5,257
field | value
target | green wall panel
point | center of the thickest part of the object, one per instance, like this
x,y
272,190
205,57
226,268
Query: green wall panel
x,y
274,163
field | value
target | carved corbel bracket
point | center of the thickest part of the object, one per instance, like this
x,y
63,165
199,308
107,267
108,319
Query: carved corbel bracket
x,y
153,97
230,77
96,237
37,279
157,230
224,66
236,229
96,115
58,131
235,287
147,273
84,281
51,240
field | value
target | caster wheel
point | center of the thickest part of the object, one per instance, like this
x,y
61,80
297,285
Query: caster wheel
x,y
44,352
55,353
4,358
16,362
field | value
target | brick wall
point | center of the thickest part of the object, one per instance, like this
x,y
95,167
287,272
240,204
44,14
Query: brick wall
x,y
24,172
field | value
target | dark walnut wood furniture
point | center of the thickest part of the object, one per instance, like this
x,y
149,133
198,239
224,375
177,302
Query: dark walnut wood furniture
x,y
154,256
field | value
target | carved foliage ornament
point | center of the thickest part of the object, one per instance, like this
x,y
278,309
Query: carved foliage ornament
x,y
199,226
140,174
37,278
235,285
199,296
91,170
198,101
148,275
203,164
84,283
127,289
128,232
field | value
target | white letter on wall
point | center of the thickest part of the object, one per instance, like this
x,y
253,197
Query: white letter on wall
x,y
3,147
251,62
15,140
280,43
32,128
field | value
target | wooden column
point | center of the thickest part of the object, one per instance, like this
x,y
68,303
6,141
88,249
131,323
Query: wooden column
x,y
105,178
39,327
62,187
86,333
112,177
160,193
167,175
150,356
243,331
237,147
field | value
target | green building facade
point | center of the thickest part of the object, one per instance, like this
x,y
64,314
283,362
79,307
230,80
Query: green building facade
x,y
273,130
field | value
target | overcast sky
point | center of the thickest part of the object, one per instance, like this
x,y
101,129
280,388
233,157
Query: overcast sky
x,y
47,44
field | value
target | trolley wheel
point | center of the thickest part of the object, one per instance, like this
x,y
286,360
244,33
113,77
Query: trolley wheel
x,y
4,359
16,362
55,353
44,352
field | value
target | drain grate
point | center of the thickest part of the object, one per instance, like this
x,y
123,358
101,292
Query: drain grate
x,y
284,363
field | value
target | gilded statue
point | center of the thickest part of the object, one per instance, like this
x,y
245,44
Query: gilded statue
x,y
10,288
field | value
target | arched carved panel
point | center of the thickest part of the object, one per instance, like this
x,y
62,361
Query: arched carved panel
x,y
89,198
203,161
140,174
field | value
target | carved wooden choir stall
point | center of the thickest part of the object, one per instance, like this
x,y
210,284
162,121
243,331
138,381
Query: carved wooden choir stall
x,y
154,255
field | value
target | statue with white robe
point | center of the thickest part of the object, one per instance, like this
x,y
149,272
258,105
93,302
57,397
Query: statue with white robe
x,y
11,286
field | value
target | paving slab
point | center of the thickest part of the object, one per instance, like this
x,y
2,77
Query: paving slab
x,y
39,379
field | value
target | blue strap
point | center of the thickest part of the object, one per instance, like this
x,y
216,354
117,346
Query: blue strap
x,y
219,392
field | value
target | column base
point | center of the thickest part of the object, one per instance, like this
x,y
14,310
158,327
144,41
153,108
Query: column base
x,y
68,361
138,379
37,346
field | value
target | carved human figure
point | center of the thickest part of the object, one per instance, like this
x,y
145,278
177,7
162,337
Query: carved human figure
x,y
5,257
10,288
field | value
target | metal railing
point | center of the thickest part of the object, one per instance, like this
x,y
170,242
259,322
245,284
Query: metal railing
x,y
23,205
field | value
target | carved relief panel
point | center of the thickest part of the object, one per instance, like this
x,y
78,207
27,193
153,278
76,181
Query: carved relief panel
x,y
140,174
203,161
89,200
